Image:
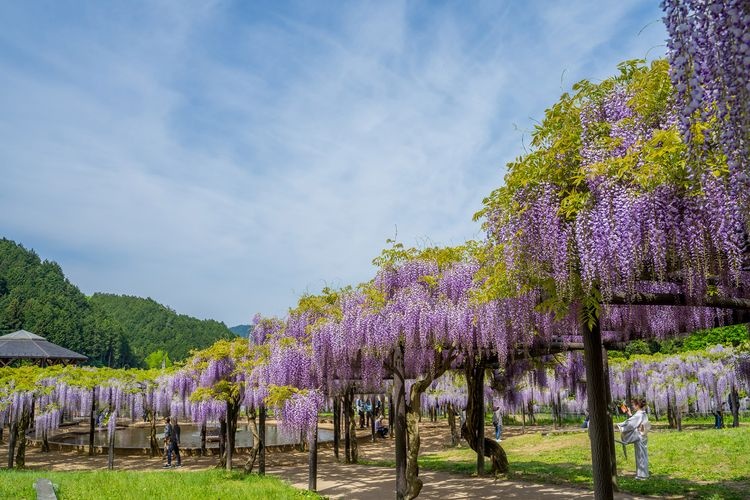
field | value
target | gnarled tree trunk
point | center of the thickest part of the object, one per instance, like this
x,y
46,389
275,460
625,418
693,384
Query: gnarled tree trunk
x,y
398,407
413,417
413,482
473,429
257,444
23,425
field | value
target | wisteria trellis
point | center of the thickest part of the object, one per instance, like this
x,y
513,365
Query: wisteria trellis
x,y
610,205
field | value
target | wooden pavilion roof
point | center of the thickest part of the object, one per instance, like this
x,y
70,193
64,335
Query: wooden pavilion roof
x,y
27,345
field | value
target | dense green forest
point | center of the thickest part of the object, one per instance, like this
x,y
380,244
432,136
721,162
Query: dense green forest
x,y
149,326
111,330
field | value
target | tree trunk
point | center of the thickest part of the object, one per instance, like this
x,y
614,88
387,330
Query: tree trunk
x,y
596,393
336,426
413,413
222,443
553,407
399,420
302,441
262,439
230,439
390,415
628,392
12,440
23,426
111,448
253,428
228,464
414,483
153,443
312,474
473,429
532,417
204,451
232,423
347,428
455,436
670,414
372,418
353,445
610,424
477,416
92,421
734,406
45,442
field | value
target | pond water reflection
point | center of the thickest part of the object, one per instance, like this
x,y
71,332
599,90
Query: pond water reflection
x,y
138,437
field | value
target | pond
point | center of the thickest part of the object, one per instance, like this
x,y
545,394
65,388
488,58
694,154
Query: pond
x,y
138,437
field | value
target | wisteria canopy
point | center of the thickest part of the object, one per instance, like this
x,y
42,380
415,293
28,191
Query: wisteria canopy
x,y
634,193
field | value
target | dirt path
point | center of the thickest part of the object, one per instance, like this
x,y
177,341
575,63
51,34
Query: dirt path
x,y
335,480
363,482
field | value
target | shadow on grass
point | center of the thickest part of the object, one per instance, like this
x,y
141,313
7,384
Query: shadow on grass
x,y
661,485
574,475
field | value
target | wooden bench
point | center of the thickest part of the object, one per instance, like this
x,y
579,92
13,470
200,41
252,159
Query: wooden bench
x,y
44,489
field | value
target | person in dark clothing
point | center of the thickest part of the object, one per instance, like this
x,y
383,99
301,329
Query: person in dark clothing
x,y
361,411
380,428
177,442
171,440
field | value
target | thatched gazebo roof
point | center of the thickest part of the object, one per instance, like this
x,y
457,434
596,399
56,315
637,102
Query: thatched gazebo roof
x,y
26,345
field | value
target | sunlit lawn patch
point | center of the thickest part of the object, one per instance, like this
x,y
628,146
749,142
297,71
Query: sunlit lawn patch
x,y
705,463
157,484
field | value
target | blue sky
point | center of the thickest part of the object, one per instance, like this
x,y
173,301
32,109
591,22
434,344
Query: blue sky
x,y
225,157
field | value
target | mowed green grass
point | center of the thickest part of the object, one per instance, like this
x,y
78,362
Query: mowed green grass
x,y
705,463
184,485
701,463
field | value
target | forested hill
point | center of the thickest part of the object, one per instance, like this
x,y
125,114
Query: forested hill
x,y
36,296
149,326
111,330
242,330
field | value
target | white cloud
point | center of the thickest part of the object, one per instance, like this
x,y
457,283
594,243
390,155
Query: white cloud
x,y
223,165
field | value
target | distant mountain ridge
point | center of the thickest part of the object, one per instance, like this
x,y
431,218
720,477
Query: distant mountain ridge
x,y
112,330
242,330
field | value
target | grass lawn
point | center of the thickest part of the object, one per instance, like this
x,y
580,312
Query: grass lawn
x,y
706,463
213,484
